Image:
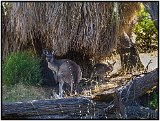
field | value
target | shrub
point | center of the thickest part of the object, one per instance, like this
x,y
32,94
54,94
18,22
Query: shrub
x,y
154,101
21,67
146,32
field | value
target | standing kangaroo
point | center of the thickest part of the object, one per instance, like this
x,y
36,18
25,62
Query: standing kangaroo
x,y
64,70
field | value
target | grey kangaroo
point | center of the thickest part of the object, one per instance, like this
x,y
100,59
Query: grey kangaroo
x,y
100,69
64,70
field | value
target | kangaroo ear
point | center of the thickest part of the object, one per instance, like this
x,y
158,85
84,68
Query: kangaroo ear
x,y
45,52
113,63
108,63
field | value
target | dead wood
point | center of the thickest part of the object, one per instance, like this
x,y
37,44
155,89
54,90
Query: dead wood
x,y
139,112
71,108
139,86
126,95
84,108
133,89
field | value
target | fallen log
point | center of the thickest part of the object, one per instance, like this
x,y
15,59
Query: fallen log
x,y
70,108
132,90
140,112
123,97
134,112
84,108
140,86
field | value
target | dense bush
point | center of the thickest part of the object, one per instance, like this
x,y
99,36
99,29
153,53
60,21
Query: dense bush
x,y
146,32
21,67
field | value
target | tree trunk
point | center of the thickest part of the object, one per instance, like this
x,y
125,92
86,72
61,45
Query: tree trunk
x,y
130,60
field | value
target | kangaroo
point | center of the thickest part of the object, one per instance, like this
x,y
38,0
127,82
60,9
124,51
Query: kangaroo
x,y
100,69
64,70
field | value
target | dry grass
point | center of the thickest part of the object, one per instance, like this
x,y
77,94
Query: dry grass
x,y
20,92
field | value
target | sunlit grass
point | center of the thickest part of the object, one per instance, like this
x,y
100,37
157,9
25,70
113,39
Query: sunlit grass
x,y
21,92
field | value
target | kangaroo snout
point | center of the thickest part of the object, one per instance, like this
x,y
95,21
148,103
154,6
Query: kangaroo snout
x,y
48,59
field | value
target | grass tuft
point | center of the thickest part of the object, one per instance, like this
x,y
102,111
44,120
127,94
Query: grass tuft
x,y
21,67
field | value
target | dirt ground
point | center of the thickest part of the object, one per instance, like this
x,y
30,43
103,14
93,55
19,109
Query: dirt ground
x,y
145,58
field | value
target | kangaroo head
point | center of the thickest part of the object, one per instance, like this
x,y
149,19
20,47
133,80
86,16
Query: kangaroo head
x,y
49,56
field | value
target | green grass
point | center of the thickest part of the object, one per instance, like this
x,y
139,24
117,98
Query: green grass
x,y
21,67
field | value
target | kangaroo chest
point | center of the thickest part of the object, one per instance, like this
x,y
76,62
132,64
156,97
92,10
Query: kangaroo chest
x,y
53,66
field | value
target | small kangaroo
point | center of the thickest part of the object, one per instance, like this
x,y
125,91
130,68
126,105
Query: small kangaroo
x,y
100,69
64,70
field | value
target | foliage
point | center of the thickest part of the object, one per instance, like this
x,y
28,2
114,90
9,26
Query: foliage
x,y
21,67
146,32
154,101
